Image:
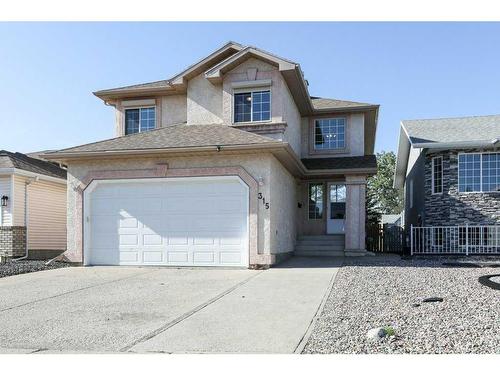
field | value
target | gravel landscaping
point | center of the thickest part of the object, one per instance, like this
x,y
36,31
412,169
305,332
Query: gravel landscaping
x,y
25,266
387,291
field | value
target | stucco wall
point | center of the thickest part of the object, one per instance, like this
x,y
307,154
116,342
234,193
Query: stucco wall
x,y
291,116
452,207
239,74
173,109
283,206
5,189
204,102
355,143
257,165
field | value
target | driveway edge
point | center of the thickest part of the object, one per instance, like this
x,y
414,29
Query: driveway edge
x,y
303,341
179,319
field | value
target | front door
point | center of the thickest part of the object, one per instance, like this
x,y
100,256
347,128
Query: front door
x,y
335,222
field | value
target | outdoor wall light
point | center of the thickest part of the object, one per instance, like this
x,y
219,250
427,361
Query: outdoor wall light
x,y
4,200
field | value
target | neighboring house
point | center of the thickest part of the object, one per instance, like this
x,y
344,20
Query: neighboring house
x,y
392,220
33,207
228,163
450,171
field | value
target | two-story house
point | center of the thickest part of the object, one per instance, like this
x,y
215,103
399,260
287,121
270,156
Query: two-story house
x,y
231,162
449,171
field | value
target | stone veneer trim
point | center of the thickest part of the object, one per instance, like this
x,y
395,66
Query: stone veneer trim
x,y
452,208
162,171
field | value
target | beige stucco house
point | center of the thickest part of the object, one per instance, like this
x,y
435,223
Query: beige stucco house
x,y
229,163
32,207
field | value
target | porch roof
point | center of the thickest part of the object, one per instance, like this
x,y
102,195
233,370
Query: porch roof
x,y
341,163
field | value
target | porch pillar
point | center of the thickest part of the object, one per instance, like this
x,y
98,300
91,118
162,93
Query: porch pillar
x,y
355,215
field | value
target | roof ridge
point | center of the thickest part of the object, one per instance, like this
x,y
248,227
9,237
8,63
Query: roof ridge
x,y
451,118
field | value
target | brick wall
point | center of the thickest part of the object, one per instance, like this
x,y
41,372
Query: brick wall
x,y
454,208
12,241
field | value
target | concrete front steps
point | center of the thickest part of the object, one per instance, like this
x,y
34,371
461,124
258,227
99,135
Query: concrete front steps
x,y
330,245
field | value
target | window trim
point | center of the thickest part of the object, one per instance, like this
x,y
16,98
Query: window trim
x,y
251,90
411,192
433,178
312,135
480,172
309,200
125,109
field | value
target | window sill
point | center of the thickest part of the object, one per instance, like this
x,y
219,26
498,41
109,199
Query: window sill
x,y
252,122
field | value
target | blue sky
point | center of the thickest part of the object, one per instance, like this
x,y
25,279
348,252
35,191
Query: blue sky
x,y
413,70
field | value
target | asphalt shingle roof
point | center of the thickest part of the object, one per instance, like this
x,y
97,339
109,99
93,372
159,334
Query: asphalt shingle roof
x,y
26,163
325,103
175,136
148,85
459,129
349,162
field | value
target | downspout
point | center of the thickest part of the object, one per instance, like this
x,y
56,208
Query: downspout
x,y
26,216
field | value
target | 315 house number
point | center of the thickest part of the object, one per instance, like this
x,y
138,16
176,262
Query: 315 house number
x,y
261,197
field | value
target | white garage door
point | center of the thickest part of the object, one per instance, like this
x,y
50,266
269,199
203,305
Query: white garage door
x,y
201,221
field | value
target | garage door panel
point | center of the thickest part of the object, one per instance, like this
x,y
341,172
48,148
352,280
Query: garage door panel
x,y
230,257
130,256
204,257
152,239
128,240
178,257
169,222
180,238
153,256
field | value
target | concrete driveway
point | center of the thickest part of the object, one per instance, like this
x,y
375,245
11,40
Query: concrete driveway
x,y
122,309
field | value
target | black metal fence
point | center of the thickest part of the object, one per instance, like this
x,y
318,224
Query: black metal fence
x,y
385,239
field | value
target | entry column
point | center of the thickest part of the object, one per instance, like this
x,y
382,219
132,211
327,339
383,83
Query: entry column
x,y
355,215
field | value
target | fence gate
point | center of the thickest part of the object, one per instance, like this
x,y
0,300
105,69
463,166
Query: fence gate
x,y
385,239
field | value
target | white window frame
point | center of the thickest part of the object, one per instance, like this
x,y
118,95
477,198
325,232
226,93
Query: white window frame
x,y
433,177
251,91
139,108
480,172
329,150
411,193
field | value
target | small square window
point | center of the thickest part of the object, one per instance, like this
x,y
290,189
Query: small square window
x,y
252,106
139,120
329,134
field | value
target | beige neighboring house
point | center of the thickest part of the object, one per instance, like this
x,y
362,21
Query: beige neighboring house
x,y
229,163
32,207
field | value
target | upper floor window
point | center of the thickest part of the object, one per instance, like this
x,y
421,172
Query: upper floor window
x,y
329,134
479,172
252,106
437,175
139,120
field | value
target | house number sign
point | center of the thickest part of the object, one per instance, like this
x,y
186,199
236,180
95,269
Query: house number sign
x,y
263,199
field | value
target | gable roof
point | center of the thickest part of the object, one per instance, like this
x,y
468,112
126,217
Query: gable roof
x,y
444,133
226,58
21,161
441,131
175,137
321,104
175,84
